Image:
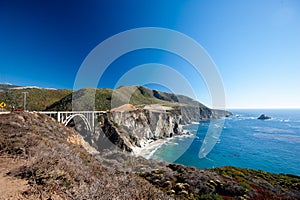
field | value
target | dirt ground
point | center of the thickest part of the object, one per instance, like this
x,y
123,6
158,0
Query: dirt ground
x,y
11,187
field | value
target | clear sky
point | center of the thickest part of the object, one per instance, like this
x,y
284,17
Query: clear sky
x,y
254,44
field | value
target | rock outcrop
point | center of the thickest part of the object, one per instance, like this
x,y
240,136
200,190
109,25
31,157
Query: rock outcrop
x,y
264,117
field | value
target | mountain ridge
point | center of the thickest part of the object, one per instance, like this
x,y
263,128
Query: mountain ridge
x,y
6,86
135,95
58,100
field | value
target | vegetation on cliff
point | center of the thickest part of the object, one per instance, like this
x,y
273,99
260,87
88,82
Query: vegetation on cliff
x,y
183,182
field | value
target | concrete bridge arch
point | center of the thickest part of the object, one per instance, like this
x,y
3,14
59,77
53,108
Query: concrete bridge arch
x,y
65,117
84,119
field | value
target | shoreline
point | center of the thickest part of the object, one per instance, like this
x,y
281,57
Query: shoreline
x,y
150,146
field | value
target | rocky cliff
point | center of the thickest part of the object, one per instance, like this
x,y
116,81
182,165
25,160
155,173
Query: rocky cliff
x,y
145,124
137,114
190,113
129,127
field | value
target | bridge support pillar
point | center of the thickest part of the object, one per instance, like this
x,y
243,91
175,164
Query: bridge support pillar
x,y
58,117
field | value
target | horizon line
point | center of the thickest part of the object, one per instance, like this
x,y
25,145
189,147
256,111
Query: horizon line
x,y
261,108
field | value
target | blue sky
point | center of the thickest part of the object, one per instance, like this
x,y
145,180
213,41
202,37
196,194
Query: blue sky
x,y
254,44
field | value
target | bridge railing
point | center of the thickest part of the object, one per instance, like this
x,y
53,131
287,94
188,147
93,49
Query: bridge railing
x,y
75,112
4,112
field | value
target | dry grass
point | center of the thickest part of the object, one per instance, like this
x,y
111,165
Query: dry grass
x,y
59,169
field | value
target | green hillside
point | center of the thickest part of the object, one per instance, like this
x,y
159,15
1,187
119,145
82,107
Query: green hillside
x,y
85,99
105,99
89,98
37,99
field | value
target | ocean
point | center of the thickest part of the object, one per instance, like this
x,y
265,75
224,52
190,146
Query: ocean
x,y
270,145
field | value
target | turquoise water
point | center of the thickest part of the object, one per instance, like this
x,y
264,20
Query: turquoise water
x,y
269,145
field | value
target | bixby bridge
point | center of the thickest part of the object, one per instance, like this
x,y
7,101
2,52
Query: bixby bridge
x,y
65,117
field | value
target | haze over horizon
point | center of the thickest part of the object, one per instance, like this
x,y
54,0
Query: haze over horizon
x,y
255,45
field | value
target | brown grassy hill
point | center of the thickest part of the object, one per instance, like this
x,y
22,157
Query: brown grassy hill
x,y
51,162
183,182
42,159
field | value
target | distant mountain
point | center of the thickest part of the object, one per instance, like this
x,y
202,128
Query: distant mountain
x,y
25,87
7,86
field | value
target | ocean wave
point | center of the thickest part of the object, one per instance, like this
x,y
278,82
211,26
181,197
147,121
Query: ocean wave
x,y
272,130
284,120
244,118
286,138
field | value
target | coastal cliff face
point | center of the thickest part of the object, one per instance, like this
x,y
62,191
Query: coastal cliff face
x,y
196,113
135,128
146,124
129,127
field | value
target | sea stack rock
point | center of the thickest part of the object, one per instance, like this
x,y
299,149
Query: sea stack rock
x,y
263,117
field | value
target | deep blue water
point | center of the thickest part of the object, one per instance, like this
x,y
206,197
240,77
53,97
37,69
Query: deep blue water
x,y
269,145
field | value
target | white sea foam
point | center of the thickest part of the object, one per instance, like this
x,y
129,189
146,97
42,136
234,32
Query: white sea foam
x,y
284,120
149,147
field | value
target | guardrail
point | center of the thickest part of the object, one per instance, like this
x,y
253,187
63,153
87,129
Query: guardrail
x,y
4,112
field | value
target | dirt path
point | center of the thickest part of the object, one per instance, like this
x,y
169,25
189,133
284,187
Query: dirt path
x,y
11,187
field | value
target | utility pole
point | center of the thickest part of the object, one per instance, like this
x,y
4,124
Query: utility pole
x,y
25,96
